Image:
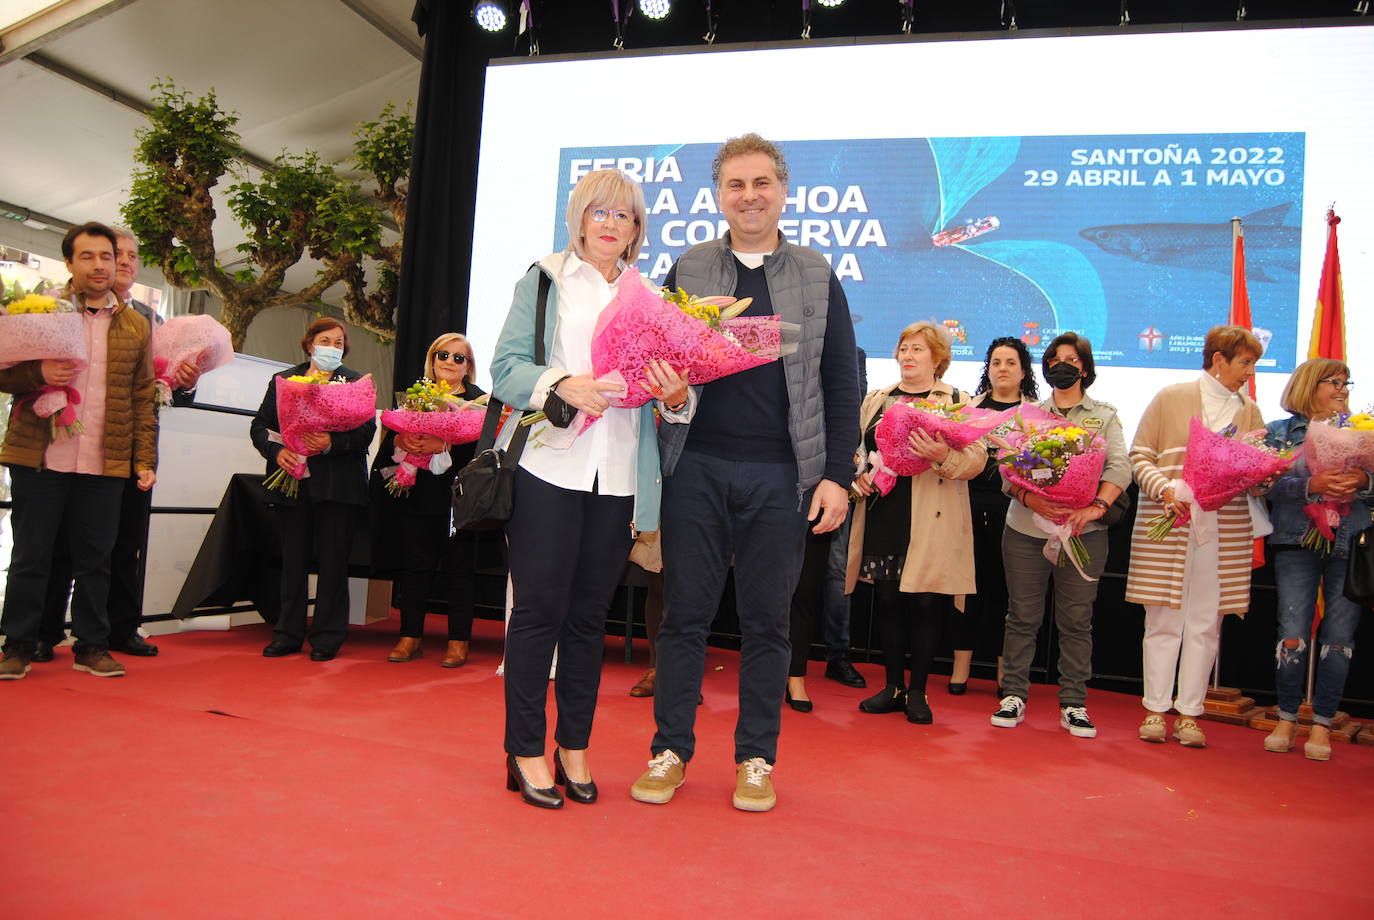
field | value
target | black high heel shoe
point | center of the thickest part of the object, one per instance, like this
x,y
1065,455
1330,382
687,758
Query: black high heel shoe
x,y
799,705
583,793
540,798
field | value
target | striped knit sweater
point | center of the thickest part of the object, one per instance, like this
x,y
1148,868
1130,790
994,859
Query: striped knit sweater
x,y
1156,573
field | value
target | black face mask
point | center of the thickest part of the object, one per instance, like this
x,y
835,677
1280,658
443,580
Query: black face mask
x,y
1062,376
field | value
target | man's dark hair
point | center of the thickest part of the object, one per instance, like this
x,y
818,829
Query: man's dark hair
x,y
91,228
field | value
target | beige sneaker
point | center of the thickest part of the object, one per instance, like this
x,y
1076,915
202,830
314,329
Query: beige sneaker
x,y
1153,729
753,787
97,661
1187,732
666,772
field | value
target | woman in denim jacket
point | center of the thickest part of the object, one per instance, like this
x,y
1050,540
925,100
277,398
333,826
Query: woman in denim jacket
x,y
1319,389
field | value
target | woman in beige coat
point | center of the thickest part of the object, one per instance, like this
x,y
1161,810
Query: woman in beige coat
x,y
1201,570
914,544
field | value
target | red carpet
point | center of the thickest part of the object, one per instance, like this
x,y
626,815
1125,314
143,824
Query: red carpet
x,y
211,782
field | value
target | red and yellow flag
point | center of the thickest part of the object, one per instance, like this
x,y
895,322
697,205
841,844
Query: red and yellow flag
x,y
1240,295
1328,324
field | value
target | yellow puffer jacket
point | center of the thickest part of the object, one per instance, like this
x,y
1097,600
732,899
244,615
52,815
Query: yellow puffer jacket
x,y
130,417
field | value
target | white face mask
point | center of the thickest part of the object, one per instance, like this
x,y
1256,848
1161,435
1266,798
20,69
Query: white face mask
x,y
327,358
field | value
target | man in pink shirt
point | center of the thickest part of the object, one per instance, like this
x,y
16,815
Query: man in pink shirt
x,y
70,486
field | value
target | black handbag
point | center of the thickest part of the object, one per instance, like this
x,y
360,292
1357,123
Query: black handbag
x,y
484,490
1359,571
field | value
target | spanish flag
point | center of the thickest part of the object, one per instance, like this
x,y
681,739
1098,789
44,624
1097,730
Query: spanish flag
x,y
1328,323
1240,295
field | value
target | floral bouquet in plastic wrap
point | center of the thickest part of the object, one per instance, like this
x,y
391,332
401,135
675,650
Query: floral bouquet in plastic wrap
x,y
1218,466
201,340
703,338
39,327
315,402
1344,442
959,424
429,407
1062,463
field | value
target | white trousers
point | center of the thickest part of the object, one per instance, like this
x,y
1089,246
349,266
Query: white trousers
x,y
1184,641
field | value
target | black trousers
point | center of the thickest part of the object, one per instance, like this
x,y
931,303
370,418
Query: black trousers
x,y
427,546
808,600
567,552
48,507
125,602
323,530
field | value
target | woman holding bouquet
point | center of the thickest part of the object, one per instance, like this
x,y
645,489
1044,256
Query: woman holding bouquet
x,y
416,522
915,544
1200,571
1008,380
1318,390
1068,367
321,520
577,507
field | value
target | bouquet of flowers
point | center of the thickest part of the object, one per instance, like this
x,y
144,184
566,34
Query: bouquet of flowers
x,y
200,340
1063,463
1218,466
959,424
38,327
1342,443
315,402
429,407
704,338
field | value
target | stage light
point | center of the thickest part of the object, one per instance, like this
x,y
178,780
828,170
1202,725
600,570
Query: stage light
x,y
490,15
1125,13
655,9
830,3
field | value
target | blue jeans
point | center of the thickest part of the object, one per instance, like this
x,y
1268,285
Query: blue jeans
x,y
1298,573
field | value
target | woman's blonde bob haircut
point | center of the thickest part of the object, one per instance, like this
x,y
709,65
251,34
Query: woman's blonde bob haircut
x,y
469,369
613,189
937,340
1300,396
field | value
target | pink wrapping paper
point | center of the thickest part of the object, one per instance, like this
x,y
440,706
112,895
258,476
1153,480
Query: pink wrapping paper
x,y
902,419
457,426
1076,488
307,407
42,336
1328,448
198,339
1218,468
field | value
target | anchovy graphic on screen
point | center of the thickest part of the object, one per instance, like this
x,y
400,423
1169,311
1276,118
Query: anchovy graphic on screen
x,y
1270,248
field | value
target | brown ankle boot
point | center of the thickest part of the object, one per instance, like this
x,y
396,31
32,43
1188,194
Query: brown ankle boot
x,y
407,648
456,655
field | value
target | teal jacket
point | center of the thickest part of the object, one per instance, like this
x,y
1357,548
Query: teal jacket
x,y
514,377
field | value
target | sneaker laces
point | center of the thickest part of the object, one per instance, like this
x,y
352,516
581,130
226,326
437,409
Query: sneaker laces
x,y
1078,713
659,766
755,769
1010,704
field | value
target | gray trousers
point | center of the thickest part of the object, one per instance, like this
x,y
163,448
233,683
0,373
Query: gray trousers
x,y
1027,573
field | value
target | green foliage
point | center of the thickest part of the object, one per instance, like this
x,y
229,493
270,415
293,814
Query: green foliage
x,y
382,147
190,134
302,203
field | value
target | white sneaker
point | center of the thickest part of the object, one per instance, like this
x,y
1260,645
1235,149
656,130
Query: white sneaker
x,y
1075,719
1009,712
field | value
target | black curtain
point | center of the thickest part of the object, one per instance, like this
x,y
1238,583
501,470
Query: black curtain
x,y
437,254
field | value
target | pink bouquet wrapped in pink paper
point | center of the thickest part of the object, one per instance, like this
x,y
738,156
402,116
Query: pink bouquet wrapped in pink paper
x,y
316,403
959,425
201,340
1345,442
638,326
39,327
460,424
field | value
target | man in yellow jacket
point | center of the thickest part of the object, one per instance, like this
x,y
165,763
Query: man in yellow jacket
x,y
70,485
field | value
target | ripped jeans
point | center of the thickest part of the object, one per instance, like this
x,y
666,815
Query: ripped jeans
x,y
1298,572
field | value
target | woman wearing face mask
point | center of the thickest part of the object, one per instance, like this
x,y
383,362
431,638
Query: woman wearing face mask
x,y
1067,366
321,520
410,531
1008,380
1318,390
1201,570
914,543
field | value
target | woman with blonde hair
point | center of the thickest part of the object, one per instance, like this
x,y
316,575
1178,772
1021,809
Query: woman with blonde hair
x,y
1201,570
914,544
1318,390
416,524
577,507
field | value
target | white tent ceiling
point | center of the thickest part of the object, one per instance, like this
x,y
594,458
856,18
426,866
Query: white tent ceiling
x,y
299,73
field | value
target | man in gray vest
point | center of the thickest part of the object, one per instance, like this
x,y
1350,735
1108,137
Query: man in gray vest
x,y
747,463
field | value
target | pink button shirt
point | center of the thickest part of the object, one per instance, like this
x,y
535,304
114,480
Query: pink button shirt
x,y
85,452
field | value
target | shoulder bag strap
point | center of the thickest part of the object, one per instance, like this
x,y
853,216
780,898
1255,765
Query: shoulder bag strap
x,y
495,406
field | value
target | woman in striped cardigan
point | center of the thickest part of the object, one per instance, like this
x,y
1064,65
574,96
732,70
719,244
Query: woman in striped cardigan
x,y
1201,570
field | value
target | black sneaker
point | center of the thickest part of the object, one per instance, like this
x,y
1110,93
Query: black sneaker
x,y
918,709
888,699
1075,719
1009,712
